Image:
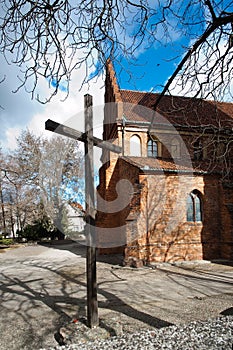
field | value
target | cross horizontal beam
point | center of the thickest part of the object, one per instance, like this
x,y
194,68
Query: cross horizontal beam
x,y
80,136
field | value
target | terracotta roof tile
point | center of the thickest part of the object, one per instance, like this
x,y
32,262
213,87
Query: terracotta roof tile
x,y
77,206
154,164
179,111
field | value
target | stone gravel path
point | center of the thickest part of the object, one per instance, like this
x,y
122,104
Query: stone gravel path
x,y
212,335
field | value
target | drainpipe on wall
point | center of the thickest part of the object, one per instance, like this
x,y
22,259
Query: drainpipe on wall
x,y
123,135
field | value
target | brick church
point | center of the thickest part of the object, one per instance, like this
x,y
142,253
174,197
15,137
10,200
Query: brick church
x,y
169,195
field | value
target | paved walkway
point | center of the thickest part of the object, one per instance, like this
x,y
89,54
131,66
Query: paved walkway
x,y
43,288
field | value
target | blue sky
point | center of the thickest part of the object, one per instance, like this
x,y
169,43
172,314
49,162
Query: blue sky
x,y
151,70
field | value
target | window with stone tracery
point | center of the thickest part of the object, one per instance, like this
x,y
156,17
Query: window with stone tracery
x,y
194,206
152,148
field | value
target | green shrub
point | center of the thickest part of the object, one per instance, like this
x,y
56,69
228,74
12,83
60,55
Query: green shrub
x,y
7,241
38,231
33,232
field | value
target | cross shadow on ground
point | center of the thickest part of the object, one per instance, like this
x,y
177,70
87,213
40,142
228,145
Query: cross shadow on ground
x,y
68,293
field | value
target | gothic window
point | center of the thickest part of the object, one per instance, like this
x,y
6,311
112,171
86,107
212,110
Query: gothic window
x,y
198,150
194,207
152,148
135,146
175,148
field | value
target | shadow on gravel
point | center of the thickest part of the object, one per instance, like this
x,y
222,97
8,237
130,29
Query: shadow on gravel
x,y
79,248
199,277
69,245
112,302
31,292
223,262
227,312
19,296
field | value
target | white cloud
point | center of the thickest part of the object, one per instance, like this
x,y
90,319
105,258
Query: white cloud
x,y
20,112
11,136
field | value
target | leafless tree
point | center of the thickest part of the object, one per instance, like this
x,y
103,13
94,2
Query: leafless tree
x,y
38,166
21,181
51,39
61,174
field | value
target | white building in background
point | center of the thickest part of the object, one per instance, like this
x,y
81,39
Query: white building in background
x,y
76,216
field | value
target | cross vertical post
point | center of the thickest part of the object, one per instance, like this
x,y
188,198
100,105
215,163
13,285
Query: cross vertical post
x,y
92,303
89,142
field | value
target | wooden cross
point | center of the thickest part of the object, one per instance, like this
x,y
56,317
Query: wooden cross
x,y
89,142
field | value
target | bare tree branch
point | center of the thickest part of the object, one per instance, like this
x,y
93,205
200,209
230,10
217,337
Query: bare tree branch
x,y
217,23
51,39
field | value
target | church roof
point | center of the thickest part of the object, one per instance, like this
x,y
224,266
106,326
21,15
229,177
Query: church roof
x,y
78,207
147,164
176,110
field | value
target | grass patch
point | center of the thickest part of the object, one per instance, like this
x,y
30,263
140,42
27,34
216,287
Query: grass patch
x,y
6,241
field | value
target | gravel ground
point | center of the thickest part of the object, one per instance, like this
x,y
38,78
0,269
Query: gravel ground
x,y
211,335
43,290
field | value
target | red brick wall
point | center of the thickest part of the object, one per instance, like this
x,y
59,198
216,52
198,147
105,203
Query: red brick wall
x,y
163,233
227,220
154,223
111,226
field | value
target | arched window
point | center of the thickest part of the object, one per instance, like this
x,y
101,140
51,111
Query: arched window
x,y
175,148
135,146
152,148
194,206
